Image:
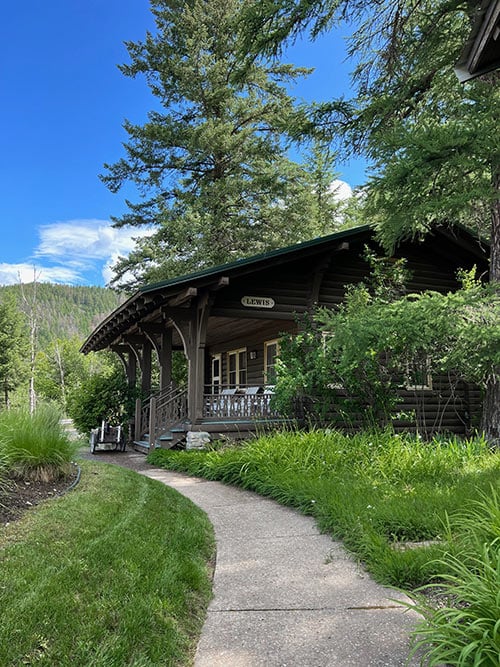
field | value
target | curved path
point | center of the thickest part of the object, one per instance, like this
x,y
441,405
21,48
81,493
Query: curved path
x,y
285,595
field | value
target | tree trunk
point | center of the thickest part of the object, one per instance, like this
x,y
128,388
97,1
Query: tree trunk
x,y
490,422
491,412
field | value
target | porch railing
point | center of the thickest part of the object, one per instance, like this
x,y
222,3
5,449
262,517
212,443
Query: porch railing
x,y
243,402
161,411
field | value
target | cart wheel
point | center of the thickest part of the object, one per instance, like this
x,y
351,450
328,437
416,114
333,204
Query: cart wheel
x,y
93,439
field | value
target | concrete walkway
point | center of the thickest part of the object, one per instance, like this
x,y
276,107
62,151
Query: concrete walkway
x,y
285,595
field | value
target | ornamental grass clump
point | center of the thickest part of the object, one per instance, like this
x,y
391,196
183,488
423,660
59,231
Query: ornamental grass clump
x,y
4,470
35,446
385,495
467,631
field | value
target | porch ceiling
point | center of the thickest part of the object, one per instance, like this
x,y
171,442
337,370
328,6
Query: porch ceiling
x,y
222,330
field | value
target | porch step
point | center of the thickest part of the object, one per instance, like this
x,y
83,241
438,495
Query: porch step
x,y
166,440
142,446
171,438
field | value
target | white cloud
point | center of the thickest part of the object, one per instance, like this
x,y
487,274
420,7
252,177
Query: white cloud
x,y
82,240
340,189
12,274
74,252
84,246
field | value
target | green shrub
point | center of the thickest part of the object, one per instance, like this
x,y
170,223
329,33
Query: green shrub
x,y
35,445
104,396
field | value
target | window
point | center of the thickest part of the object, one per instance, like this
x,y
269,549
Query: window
x,y
271,351
418,375
237,367
216,373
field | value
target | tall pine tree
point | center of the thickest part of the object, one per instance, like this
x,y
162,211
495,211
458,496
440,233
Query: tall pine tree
x,y
211,161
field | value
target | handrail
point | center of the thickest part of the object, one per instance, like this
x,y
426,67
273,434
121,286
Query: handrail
x,y
143,409
160,413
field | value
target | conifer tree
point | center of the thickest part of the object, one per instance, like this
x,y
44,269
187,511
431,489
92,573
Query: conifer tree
x,y
210,162
13,349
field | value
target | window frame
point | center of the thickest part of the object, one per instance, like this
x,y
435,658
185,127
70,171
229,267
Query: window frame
x,y
267,345
216,380
238,369
411,385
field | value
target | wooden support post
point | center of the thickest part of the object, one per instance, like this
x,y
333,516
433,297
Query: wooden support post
x,y
146,367
165,359
127,355
131,368
192,324
152,424
137,422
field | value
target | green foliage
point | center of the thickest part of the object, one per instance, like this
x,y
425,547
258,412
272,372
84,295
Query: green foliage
x,y
62,316
35,445
343,350
210,162
12,347
105,395
376,491
355,359
432,141
114,573
64,311
61,369
466,632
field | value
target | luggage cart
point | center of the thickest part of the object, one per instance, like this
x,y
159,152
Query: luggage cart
x,y
107,438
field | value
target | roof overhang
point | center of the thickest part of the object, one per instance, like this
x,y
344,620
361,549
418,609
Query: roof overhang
x,y
481,53
172,298
176,293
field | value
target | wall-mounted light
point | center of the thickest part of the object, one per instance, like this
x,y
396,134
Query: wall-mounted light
x,y
253,354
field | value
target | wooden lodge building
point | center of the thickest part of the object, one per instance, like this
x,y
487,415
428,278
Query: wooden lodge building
x,y
481,53
228,321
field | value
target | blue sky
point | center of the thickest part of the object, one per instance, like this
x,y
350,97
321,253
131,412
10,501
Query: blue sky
x,y
63,104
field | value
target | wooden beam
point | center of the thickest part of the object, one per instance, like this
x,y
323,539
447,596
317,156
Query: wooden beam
x,y
254,314
319,272
222,282
183,297
152,328
178,314
134,339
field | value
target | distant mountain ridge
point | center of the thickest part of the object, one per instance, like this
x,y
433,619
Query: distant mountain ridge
x,y
64,311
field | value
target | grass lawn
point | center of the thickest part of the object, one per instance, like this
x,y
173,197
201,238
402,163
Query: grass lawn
x,y
375,491
114,573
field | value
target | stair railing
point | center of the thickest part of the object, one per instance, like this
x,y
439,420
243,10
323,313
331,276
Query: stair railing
x,y
155,414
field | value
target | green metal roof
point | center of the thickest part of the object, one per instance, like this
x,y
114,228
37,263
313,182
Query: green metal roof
x,y
255,259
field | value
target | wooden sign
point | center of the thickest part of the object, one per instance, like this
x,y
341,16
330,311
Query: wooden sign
x,y
257,302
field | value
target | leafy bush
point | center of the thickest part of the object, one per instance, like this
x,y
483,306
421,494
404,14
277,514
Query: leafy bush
x,y
104,396
355,359
35,445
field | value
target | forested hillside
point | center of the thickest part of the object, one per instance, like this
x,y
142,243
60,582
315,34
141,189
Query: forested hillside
x,y
63,311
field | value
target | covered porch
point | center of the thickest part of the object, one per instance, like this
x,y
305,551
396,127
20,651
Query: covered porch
x,y
230,373
228,332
